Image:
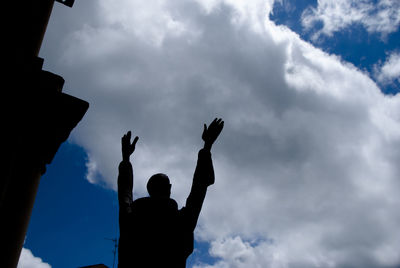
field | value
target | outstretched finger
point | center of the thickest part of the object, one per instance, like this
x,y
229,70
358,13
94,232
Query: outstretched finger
x,y
135,141
220,127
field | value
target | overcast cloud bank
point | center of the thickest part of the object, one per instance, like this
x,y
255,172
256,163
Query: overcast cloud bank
x,y
306,168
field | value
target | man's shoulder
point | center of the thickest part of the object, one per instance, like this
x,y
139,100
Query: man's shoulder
x,y
142,199
149,201
140,202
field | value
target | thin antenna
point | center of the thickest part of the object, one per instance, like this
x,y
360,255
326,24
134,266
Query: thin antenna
x,y
115,240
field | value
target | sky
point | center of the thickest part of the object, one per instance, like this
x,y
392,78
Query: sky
x,y
306,167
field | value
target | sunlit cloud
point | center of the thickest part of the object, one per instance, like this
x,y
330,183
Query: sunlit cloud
x,y
28,260
381,17
306,167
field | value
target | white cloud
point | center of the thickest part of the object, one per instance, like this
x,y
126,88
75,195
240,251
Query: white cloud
x,y
307,165
382,16
91,173
28,260
390,70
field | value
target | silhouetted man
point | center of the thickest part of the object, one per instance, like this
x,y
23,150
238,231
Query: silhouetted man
x,y
153,232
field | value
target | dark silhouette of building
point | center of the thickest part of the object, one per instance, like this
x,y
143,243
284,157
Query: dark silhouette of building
x,y
153,232
36,118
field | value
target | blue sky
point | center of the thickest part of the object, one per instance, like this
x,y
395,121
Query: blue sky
x,y
71,216
315,121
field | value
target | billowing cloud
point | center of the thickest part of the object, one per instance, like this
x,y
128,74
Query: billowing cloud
x,y
382,16
28,260
307,165
389,72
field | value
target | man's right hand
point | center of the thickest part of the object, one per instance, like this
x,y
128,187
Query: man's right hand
x,y
211,133
127,147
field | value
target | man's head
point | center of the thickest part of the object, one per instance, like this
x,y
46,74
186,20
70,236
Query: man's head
x,y
159,186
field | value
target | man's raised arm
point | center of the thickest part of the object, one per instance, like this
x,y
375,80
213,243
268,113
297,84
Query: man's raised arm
x,y
125,175
204,173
